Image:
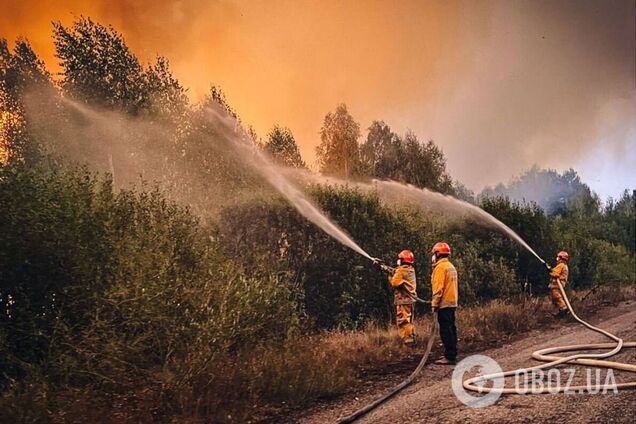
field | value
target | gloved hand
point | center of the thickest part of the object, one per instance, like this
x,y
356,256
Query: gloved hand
x,y
382,265
434,309
547,265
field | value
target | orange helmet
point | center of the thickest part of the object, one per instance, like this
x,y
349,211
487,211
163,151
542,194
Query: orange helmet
x,y
563,255
441,248
407,256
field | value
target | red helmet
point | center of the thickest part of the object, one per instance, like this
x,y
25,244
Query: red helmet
x,y
563,255
407,256
441,248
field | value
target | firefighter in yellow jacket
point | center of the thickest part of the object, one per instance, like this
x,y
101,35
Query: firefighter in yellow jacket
x,y
404,288
559,274
444,300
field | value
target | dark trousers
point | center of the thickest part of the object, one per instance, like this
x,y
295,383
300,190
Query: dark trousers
x,y
448,332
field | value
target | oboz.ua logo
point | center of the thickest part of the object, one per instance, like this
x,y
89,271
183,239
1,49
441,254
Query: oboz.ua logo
x,y
482,365
534,380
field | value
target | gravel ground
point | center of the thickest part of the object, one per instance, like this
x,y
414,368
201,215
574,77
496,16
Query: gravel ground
x,y
431,399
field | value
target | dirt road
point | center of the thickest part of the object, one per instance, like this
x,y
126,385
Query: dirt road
x,y
431,399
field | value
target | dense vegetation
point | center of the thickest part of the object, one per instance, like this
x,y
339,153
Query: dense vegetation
x,y
141,269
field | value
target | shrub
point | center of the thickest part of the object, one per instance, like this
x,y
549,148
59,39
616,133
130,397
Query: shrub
x,y
118,293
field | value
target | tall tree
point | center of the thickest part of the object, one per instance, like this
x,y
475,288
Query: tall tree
x,y
338,152
216,97
21,71
620,219
380,152
98,66
385,155
424,165
167,98
282,146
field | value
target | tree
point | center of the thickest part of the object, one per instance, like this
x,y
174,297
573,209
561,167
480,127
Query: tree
x,y
338,152
282,146
620,221
98,66
385,155
380,152
462,192
22,68
216,97
424,165
556,193
21,71
167,98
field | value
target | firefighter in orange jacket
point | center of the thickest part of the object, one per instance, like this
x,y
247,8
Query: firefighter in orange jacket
x,y
444,300
559,274
404,287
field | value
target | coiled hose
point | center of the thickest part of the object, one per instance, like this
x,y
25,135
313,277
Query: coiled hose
x,y
590,359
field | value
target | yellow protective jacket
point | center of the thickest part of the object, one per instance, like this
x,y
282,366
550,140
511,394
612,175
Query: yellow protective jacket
x,y
559,272
444,285
404,285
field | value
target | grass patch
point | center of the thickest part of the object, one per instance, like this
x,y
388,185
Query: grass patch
x,y
332,363
262,382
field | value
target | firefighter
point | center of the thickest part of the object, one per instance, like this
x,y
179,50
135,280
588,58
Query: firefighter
x,y
559,274
404,289
444,300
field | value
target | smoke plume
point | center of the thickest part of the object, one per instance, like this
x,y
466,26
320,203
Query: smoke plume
x,y
499,85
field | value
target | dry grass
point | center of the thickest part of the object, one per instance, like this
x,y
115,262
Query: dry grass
x,y
329,364
265,382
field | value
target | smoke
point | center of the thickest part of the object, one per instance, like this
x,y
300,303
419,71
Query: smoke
x,y
548,83
499,85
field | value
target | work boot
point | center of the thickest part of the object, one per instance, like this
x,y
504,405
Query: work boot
x,y
409,341
562,313
444,361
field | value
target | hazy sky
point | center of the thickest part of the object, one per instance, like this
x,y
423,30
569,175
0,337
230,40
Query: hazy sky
x,y
499,85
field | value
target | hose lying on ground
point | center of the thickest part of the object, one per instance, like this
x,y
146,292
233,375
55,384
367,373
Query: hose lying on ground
x,y
590,359
368,408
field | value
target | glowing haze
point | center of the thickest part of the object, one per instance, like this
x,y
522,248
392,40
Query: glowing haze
x,y
499,85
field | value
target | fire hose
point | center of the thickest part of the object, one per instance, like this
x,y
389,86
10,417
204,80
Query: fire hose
x,y
411,378
547,355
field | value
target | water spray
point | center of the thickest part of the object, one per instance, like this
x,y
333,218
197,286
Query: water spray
x,y
422,198
233,135
425,199
253,155
281,180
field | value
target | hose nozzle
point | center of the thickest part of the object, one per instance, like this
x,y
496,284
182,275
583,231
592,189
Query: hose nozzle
x,y
547,265
382,265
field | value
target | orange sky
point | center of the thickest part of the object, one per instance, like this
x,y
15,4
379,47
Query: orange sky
x,y
497,84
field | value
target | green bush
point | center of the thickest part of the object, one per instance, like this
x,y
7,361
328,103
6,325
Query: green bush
x,y
118,292
614,263
481,279
336,287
